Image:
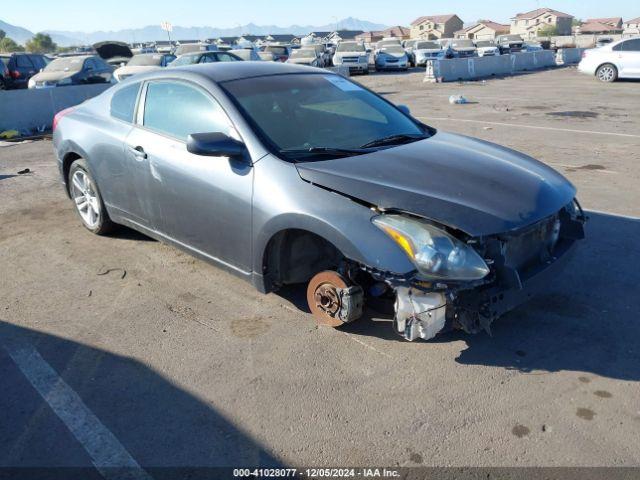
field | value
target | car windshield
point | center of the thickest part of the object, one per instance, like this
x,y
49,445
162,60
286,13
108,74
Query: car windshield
x,y
66,64
296,114
462,44
351,47
146,60
512,38
427,46
485,43
185,60
304,53
394,49
386,43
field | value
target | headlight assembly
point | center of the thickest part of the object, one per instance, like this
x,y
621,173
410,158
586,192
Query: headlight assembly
x,y
434,252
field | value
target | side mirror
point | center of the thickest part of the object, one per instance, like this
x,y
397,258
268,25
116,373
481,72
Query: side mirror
x,y
214,144
404,109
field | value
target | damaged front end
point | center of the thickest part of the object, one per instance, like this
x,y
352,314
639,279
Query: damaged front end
x,y
518,264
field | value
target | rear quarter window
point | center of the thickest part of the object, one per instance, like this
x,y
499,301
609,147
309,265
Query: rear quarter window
x,y
123,103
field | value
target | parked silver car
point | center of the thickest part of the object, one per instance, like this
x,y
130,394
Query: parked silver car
x,y
424,50
306,56
284,174
487,48
352,55
392,57
247,54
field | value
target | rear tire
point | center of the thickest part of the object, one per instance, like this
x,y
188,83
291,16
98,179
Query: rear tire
x,y
607,73
86,197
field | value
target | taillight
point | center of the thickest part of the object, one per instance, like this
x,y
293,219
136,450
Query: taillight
x,y
58,116
15,74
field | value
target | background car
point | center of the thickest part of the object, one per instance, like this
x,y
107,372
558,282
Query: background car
x,y
531,47
66,71
4,75
266,56
487,48
22,66
462,48
509,43
427,50
391,57
408,47
619,59
195,47
204,57
145,62
306,56
114,53
353,55
280,53
247,54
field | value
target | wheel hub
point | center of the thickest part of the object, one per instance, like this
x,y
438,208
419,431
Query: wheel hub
x,y
324,299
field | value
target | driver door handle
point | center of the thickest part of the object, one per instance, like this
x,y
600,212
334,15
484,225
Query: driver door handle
x,y
138,152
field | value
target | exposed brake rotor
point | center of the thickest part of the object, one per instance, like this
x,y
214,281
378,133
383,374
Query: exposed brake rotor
x,y
330,299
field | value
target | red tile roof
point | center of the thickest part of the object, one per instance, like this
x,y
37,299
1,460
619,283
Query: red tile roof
x,y
598,27
433,18
541,11
612,20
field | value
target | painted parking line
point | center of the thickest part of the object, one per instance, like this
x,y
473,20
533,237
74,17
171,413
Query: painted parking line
x,y
520,125
109,456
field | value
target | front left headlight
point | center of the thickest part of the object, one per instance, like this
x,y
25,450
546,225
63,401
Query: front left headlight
x,y
434,252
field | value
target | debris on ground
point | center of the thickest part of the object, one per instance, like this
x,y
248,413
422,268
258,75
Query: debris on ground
x,y
104,271
22,172
457,100
7,134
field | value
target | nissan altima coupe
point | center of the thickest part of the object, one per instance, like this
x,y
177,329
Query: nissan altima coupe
x,y
284,174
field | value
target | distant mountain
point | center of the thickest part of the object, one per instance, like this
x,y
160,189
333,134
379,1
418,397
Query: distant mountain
x,y
154,32
18,34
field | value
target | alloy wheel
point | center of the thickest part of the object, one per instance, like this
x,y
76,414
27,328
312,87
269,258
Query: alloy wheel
x,y
606,74
86,199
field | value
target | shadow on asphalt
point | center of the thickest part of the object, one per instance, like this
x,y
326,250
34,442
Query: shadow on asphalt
x,y
157,422
586,322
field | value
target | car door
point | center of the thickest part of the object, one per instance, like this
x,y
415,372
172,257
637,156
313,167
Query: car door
x,y
629,58
201,202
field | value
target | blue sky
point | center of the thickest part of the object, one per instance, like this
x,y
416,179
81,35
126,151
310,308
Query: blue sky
x,y
83,15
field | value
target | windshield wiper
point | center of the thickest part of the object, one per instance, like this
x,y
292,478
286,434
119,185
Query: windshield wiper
x,y
397,139
340,152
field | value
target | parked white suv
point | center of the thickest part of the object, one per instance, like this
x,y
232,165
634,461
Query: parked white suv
x,y
617,60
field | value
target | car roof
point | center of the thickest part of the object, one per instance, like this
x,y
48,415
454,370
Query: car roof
x,y
226,71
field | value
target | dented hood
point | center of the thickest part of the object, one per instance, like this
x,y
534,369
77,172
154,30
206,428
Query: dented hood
x,y
468,184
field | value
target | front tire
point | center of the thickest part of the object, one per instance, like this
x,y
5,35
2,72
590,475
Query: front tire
x,y
87,199
607,73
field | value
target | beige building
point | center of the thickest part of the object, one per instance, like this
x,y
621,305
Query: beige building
x,y
433,27
631,27
483,30
527,25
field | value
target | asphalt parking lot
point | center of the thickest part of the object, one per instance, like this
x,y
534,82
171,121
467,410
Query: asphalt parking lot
x,y
168,361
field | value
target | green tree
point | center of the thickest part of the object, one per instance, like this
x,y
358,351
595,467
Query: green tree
x,y
7,45
41,43
548,31
2,34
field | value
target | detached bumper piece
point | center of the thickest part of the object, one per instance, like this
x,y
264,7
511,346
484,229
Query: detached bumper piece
x,y
522,265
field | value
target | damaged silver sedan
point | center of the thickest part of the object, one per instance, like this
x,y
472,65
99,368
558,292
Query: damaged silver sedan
x,y
285,174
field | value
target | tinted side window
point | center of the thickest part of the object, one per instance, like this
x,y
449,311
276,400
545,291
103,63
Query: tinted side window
x,y
178,110
22,61
123,103
38,61
632,45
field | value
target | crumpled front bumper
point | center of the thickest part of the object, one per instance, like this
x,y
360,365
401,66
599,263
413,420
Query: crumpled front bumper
x,y
424,313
